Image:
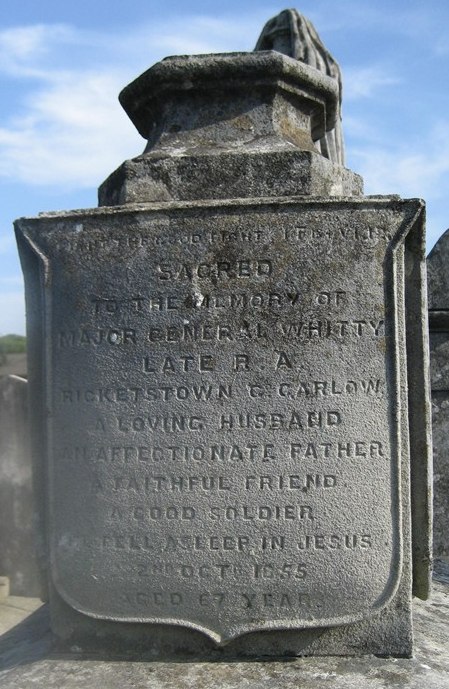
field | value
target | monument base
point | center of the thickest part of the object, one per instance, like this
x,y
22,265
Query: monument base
x,y
389,633
27,659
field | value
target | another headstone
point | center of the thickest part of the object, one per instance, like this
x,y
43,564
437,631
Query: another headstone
x,y
17,518
231,414
438,287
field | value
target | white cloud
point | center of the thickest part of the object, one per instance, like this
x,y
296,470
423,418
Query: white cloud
x,y
23,49
419,169
72,133
37,50
25,42
365,82
70,130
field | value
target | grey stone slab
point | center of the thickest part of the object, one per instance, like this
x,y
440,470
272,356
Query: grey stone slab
x,y
438,290
314,95
30,662
221,378
440,426
155,177
438,274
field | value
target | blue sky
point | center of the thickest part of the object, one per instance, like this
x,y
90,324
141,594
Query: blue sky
x,y
62,65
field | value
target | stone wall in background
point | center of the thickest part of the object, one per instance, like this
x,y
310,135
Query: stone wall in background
x,y
17,541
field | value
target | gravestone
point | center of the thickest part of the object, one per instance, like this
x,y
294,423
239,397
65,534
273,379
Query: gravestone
x,y
230,403
438,288
17,536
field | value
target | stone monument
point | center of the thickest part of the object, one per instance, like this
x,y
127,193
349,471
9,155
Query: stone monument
x,y
228,380
438,286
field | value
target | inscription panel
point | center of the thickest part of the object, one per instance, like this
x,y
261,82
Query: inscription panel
x,y
223,441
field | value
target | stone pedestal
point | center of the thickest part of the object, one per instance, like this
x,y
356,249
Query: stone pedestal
x,y
238,125
27,660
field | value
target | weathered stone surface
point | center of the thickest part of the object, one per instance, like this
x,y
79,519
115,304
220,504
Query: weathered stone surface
x,y
219,390
26,661
438,286
153,178
308,99
438,275
293,34
230,126
17,535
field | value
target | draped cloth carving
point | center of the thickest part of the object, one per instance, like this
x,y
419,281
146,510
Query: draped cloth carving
x,y
292,34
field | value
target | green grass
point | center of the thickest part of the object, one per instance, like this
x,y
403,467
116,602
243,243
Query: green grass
x,y
12,344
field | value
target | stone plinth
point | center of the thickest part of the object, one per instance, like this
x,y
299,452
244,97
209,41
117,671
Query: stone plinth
x,y
243,122
27,660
